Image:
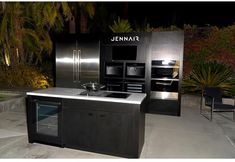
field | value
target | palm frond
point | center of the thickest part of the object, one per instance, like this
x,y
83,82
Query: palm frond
x,y
21,23
121,26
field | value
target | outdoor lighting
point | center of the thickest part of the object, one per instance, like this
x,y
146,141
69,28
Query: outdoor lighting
x,y
7,59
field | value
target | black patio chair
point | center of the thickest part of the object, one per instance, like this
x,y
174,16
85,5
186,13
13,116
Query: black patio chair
x,y
213,98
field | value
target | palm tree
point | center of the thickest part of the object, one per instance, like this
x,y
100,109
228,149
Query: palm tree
x,y
87,10
25,27
82,11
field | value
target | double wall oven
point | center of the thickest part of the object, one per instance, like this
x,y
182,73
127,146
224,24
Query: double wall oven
x,y
165,79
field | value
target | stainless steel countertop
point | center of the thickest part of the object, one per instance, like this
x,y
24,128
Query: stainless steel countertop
x,y
72,93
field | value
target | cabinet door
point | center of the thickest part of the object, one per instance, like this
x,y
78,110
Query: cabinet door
x,y
93,126
66,68
79,128
89,62
113,132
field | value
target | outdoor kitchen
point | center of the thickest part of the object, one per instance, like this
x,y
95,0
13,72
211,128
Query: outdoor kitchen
x,y
83,90
88,80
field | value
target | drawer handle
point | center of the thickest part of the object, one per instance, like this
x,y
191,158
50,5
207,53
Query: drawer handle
x,y
166,84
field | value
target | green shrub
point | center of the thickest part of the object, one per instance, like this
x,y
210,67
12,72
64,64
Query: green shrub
x,y
23,76
210,74
121,26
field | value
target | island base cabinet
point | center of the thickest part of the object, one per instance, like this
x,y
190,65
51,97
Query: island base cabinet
x,y
102,130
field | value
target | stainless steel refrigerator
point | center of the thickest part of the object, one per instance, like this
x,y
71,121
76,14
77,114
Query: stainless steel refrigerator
x,y
77,60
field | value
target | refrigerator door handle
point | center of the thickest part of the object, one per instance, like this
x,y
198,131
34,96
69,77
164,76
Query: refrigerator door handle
x,y
74,67
79,65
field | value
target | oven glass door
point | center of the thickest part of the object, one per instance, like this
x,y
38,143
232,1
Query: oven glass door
x,y
135,71
164,85
114,69
165,72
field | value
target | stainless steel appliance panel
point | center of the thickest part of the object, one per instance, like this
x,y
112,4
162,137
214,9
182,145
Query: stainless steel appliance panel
x,y
164,95
65,64
77,61
89,61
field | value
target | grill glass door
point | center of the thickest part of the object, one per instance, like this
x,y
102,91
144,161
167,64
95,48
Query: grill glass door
x,y
47,118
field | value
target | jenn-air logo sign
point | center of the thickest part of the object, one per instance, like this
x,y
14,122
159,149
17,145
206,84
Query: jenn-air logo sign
x,y
125,39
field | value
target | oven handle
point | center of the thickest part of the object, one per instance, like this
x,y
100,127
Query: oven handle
x,y
167,84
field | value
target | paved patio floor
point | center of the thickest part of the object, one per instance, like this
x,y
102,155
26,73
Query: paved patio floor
x,y
188,136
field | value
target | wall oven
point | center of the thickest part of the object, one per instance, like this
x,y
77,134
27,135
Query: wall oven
x,y
165,69
164,79
114,69
135,70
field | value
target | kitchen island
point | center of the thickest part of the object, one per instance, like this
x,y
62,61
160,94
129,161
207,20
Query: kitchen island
x,y
104,122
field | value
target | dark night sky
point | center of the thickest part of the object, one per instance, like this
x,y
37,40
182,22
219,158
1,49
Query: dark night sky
x,y
179,13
